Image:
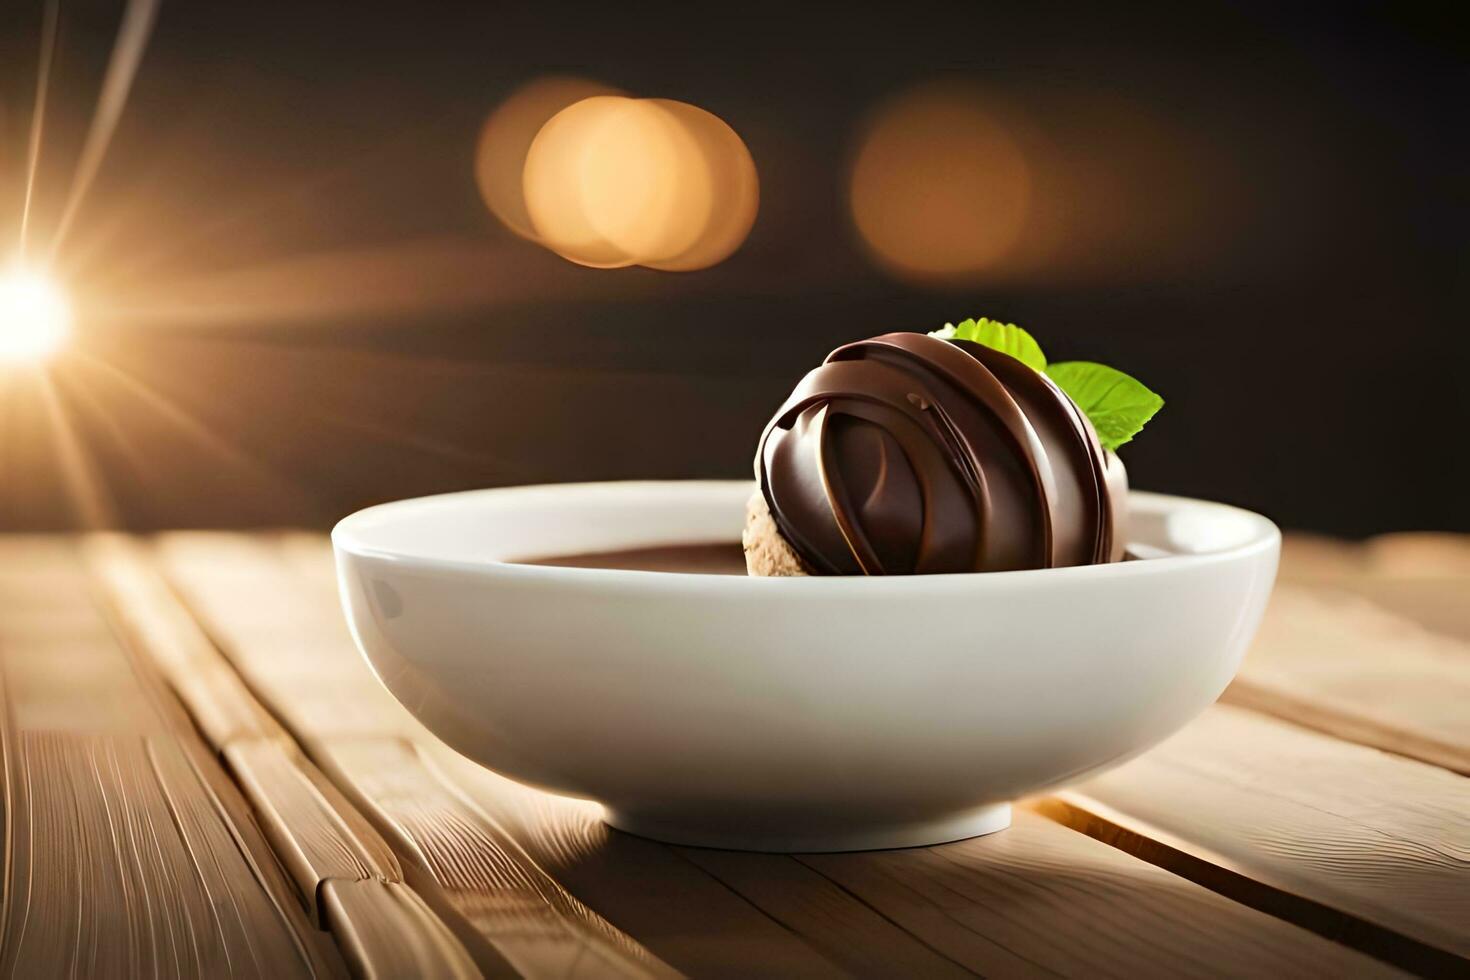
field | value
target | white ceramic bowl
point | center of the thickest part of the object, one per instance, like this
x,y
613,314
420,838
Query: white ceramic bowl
x,y
800,714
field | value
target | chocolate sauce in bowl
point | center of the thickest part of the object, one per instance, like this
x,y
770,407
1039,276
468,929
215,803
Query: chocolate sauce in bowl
x,y
724,558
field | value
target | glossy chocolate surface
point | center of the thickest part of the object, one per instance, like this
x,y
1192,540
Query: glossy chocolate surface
x,y
906,454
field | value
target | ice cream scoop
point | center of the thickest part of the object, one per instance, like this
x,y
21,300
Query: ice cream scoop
x,y
910,454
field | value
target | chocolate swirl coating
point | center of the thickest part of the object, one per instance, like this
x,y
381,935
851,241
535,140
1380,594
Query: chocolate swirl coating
x,y
906,454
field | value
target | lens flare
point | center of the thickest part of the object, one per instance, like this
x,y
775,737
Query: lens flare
x,y
35,317
611,181
939,189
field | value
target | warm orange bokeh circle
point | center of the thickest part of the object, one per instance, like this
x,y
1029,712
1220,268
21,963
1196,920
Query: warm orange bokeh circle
x,y
939,188
608,181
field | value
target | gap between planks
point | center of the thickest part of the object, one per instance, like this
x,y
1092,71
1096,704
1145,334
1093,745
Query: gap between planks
x,y
1343,839
1362,643
1338,663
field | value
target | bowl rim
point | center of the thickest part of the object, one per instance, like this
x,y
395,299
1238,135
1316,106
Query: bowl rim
x,y
348,539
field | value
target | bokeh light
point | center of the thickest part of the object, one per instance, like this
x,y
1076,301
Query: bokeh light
x,y
35,317
939,188
609,181
500,157
734,195
644,183
553,182
954,184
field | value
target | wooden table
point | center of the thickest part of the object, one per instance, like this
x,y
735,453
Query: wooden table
x,y
203,779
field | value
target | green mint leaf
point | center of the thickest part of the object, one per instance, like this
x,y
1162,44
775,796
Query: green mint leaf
x,y
1004,337
1115,404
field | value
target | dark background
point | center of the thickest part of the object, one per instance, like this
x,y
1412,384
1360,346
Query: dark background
x,y
293,303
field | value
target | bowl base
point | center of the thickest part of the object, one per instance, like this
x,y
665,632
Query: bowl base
x,y
922,833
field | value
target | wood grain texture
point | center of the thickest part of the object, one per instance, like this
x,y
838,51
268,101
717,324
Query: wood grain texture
x,y
146,613
320,839
1037,901
1346,840
1333,661
679,911
387,932
127,851
284,632
121,867
484,874
317,834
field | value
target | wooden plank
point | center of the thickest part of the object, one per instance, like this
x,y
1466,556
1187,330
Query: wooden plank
x,y
318,836
845,929
686,916
289,642
316,833
1424,577
126,850
386,932
310,555
485,875
63,668
75,683
148,615
125,869
1426,556
1037,900
1343,839
329,702
293,651
1335,662
1421,554
1312,558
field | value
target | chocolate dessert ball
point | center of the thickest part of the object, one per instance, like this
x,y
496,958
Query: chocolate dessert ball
x,y
907,454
